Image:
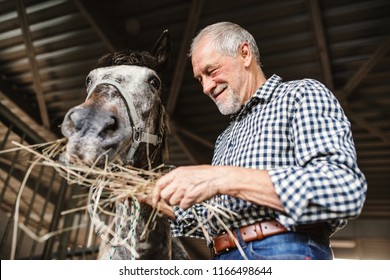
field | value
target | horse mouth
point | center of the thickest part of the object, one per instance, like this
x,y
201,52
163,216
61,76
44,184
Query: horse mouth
x,y
89,155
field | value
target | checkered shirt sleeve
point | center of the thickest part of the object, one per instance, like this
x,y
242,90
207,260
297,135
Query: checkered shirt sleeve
x,y
297,131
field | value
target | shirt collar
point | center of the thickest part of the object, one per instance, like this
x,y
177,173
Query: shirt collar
x,y
262,95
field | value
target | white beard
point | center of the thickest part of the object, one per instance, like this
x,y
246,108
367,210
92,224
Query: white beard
x,y
231,103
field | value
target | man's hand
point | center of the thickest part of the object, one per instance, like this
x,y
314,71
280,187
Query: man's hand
x,y
185,186
189,185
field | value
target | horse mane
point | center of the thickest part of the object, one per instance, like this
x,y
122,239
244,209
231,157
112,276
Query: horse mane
x,y
130,57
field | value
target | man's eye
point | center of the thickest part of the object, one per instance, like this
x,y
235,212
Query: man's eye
x,y
211,72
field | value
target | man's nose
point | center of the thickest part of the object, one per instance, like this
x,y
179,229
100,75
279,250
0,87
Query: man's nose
x,y
208,85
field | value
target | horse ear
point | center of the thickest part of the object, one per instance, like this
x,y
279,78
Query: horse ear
x,y
162,49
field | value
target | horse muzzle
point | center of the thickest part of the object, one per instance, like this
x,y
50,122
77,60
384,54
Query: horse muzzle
x,y
92,134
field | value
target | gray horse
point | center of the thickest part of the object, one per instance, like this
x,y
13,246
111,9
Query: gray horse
x,y
123,116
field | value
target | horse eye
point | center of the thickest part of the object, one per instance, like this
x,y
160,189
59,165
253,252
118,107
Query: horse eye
x,y
155,82
88,81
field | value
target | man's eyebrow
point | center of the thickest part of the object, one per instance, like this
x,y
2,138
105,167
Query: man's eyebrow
x,y
206,68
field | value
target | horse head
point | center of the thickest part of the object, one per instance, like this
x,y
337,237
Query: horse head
x,y
123,117
122,114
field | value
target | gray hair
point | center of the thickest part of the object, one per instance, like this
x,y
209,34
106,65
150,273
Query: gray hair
x,y
226,37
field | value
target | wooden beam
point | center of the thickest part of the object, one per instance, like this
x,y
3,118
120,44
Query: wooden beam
x,y
9,92
377,55
111,41
10,112
185,148
353,83
177,128
370,127
192,23
21,9
20,128
320,40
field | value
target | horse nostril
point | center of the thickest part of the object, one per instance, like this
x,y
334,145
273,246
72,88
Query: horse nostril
x,y
109,127
74,120
68,126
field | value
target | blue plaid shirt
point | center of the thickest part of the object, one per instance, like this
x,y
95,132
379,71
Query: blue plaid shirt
x,y
298,132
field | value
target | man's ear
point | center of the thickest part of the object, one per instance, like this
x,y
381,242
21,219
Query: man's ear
x,y
245,52
162,49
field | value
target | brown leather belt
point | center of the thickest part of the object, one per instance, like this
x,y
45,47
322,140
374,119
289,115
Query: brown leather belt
x,y
263,229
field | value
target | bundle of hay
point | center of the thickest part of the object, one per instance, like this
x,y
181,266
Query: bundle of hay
x,y
108,184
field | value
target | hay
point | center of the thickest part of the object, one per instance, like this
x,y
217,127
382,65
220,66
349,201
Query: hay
x,y
118,181
110,184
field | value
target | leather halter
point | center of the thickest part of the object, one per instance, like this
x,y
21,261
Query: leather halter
x,y
139,136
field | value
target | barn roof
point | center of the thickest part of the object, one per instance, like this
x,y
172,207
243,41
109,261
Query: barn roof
x,y
48,47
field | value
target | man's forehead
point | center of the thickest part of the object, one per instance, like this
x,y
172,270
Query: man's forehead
x,y
204,65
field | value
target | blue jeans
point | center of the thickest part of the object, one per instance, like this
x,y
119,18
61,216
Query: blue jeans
x,y
285,246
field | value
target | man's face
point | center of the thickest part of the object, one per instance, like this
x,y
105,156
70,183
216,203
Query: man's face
x,y
221,77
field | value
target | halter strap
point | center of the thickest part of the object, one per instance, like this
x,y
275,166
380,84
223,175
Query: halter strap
x,y
139,136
